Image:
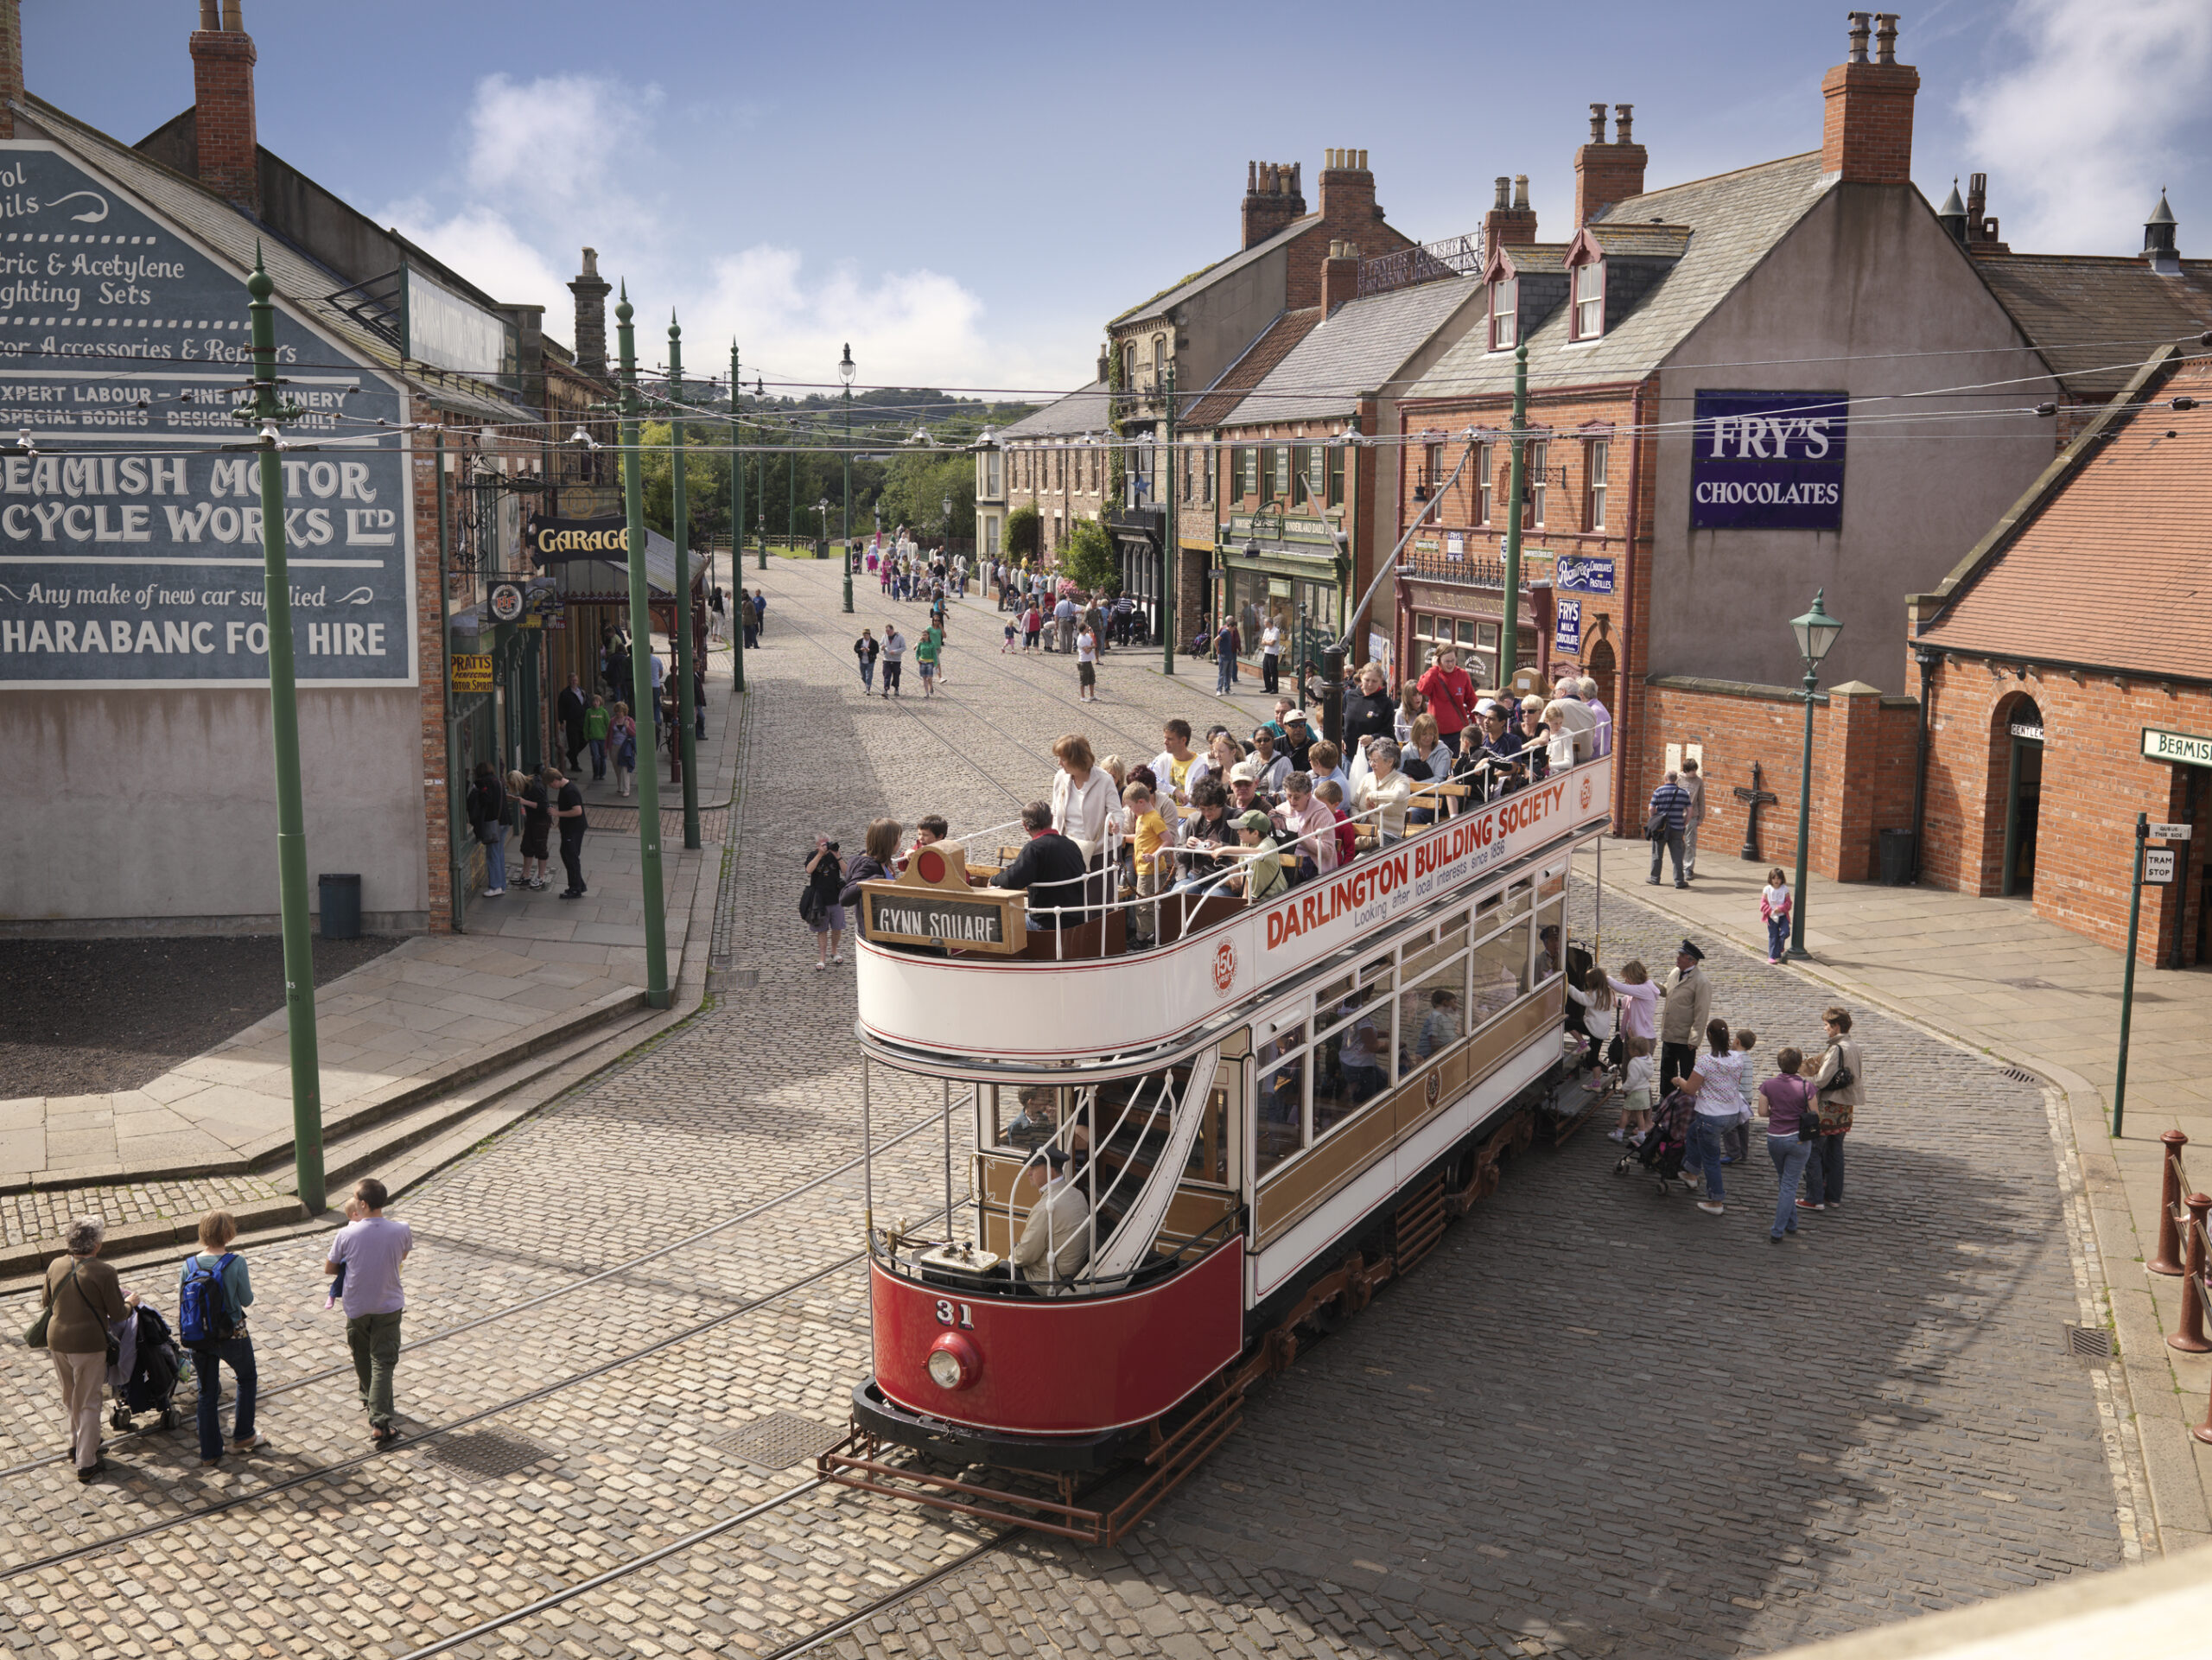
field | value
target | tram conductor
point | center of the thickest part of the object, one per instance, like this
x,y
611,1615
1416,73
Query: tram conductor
x,y
1055,1242
1052,867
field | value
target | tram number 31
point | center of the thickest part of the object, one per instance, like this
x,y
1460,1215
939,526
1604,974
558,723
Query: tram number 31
x,y
956,1313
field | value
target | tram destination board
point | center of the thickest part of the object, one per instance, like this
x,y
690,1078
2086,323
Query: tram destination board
x,y
898,914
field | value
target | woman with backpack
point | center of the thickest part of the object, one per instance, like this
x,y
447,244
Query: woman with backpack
x,y
213,1292
819,906
487,817
82,1296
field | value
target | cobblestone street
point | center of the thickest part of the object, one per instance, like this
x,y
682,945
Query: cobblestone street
x,y
1593,1422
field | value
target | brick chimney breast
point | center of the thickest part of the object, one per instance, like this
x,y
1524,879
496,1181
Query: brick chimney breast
x,y
591,290
1347,192
1866,137
1604,172
1271,200
1512,219
11,63
1339,275
222,108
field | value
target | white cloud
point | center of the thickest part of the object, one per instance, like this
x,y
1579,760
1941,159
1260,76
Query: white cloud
x,y
906,327
2073,132
551,143
478,242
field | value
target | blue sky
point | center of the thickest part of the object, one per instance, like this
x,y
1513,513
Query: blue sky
x,y
966,193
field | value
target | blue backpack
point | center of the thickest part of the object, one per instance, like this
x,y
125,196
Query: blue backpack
x,y
204,1311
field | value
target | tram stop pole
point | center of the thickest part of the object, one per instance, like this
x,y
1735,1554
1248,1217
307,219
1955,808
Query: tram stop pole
x,y
267,409
2127,976
736,527
641,673
686,711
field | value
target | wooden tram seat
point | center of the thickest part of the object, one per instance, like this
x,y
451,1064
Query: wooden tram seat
x,y
1079,941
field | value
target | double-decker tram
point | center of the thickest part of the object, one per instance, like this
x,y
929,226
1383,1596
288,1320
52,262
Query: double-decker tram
x,y
1171,1165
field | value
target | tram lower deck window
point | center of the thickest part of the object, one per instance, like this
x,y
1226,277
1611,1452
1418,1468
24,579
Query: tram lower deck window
x,y
1501,973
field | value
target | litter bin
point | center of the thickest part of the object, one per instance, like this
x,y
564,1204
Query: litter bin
x,y
341,908
1897,857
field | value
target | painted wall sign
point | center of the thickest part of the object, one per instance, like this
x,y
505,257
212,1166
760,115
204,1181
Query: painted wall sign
x,y
1580,575
1566,635
472,671
130,524
1767,462
2180,746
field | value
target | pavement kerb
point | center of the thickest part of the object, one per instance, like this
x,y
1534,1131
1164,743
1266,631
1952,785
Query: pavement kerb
x,y
271,1220
2182,1510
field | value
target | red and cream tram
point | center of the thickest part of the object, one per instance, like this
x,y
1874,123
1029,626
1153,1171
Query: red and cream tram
x,y
1197,1150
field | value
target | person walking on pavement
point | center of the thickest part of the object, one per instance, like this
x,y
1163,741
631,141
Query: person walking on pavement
x,y
1663,820
1224,656
1792,1122
1270,654
1685,1009
216,1260
759,613
1086,666
1717,1082
370,1252
867,649
822,907
894,660
82,1296
1839,1081
1692,785
622,738
569,708
537,825
596,723
569,813
1774,910
487,817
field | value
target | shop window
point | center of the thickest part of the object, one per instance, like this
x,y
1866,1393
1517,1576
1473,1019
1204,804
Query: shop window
x,y
1283,483
1248,472
1595,454
1590,300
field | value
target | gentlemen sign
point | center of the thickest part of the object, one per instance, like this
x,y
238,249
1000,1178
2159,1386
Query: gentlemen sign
x,y
131,523
1767,462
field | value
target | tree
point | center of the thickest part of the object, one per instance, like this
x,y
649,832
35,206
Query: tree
x,y
1088,560
706,480
916,484
1025,528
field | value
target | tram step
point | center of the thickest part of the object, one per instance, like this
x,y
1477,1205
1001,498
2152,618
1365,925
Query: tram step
x,y
1419,1224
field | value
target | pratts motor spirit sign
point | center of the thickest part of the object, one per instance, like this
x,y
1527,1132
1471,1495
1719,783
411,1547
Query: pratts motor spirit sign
x,y
1767,462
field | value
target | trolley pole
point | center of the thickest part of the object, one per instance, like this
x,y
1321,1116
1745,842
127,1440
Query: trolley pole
x,y
267,409
1171,550
641,674
687,713
736,525
2127,976
1508,637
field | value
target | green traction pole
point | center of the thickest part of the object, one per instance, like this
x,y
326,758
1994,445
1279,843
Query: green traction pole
x,y
284,727
2127,976
1171,552
736,526
641,674
686,712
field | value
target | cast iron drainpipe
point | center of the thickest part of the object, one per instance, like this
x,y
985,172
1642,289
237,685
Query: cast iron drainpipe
x,y
1926,658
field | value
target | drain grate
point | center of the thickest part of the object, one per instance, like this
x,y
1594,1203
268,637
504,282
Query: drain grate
x,y
2091,1342
2019,1077
744,979
778,1440
487,1455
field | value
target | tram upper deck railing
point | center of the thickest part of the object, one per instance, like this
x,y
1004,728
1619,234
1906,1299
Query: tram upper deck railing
x,y
1083,1008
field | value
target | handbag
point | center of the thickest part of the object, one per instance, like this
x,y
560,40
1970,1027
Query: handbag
x,y
34,1337
1808,1112
1655,828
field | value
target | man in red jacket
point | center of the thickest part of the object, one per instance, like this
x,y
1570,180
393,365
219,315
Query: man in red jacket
x,y
1450,693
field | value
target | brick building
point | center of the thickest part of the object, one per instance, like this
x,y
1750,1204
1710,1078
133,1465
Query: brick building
x,y
1737,395
1055,460
2067,664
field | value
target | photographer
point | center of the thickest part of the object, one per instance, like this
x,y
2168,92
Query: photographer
x,y
819,906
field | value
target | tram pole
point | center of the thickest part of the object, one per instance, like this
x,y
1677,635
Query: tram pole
x,y
267,408
686,710
1171,551
736,525
641,673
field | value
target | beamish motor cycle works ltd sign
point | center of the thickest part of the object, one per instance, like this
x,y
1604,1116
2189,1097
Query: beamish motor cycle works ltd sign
x,y
1767,462
131,526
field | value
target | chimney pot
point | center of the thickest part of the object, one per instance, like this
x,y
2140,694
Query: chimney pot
x,y
232,21
1597,124
1504,191
1885,37
1622,115
1251,178
1521,193
1858,33
1362,161
207,18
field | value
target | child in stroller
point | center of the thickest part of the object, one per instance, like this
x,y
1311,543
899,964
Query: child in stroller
x,y
147,1366
1664,1144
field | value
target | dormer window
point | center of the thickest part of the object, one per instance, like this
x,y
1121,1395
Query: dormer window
x,y
1590,300
1504,312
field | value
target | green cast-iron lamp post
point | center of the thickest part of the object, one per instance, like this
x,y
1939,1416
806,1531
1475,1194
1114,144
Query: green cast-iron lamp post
x,y
1816,632
846,368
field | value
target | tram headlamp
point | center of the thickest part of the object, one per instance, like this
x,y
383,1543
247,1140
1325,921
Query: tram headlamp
x,y
944,1368
954,1362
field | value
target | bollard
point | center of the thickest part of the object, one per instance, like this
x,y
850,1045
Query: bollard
x,y
2167,1261
2189,1338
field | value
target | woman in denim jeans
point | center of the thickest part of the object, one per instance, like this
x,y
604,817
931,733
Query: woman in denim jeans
x,y
217,1230
1787,1100
1718,1083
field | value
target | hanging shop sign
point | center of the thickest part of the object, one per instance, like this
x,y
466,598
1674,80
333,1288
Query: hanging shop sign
x,y
2182,746
1767,462
1580,575
505,601
1567,633
472,671
130,519
555,541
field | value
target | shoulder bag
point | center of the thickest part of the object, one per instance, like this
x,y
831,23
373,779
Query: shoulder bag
x,y
34,1337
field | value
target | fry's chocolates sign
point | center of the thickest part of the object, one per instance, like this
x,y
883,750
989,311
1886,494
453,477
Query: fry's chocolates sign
x,y
1767,462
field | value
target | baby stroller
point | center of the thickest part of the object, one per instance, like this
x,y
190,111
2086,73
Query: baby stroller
x,y
1665,1143
150,1353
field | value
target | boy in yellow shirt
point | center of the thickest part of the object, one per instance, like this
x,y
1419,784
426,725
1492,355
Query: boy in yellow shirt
x,y
1156,871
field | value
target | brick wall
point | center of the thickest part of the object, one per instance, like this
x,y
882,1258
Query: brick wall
x,y
1866,134
2094,782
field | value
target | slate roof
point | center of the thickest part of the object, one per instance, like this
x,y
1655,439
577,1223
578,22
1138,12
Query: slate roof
x,y
1728,223
1083,410
1641,241
1357,351
1275,342
1529,256
2117,531
230,237
1167,299
2065,302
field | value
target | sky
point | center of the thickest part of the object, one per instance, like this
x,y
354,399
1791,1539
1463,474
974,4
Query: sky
x,y
967,193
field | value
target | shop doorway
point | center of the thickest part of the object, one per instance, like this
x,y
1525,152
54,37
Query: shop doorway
x,y
2023,799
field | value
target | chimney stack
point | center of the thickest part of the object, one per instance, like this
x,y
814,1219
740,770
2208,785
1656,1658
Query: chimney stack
x,y
1347,193
1271,200
1604,172
591,290
1866,137
11,63
222,107
1339,275
1510,218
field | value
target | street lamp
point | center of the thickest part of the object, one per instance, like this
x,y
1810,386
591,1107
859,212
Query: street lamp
x,y
1816,632
845,370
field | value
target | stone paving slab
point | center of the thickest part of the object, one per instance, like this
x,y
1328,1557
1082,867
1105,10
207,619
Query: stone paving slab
x,y
1923,952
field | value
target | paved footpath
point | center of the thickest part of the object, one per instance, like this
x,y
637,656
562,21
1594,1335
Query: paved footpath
x,y
1594,1421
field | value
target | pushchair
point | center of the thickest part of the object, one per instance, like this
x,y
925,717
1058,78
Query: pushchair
x,y
154,1363
1664,1144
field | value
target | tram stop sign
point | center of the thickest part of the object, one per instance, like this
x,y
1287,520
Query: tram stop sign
x,y
2158,866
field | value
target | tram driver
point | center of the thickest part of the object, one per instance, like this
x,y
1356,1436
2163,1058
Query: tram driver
x,y
1055,1242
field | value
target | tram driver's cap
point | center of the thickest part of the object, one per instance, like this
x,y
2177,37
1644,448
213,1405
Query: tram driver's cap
x,y
1690,950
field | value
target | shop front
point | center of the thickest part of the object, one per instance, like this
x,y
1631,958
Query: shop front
x,y
1138,533
1281,569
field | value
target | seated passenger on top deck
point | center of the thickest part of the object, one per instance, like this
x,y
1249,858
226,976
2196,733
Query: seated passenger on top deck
x,y
1055,1241
1051,868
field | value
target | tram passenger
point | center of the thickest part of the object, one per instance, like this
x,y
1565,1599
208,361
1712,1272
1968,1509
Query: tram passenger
x,y
1326,761
1370,712
1366,1069
1036,1121
1055,1241
1244,792
1154,866
1258,875
1051,868
1298,740
1385,791
1203,835
1440,1028
1310,826
1269,765
1083,796
1173,766
1332,796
